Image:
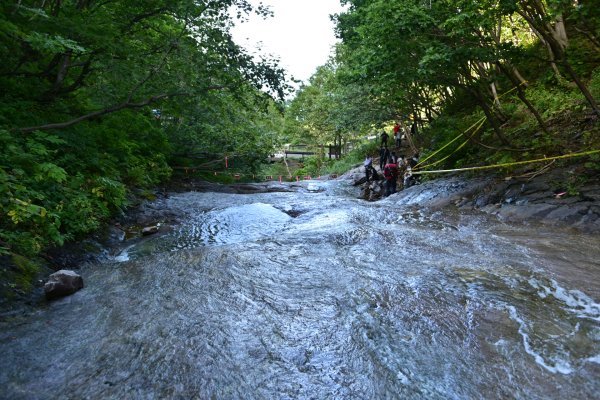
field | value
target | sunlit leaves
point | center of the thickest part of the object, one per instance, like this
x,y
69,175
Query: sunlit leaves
x,y
51,44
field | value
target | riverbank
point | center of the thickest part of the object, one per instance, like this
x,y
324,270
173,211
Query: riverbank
x,y
568,197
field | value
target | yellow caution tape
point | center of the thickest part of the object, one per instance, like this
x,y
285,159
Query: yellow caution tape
x,y
463,144
481,121
570,155
477,124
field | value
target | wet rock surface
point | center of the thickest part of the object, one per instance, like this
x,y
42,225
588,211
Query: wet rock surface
x,y
319,294
544,199
153,217
62,283
550,198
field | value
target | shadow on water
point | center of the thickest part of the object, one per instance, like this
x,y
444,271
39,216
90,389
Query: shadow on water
x,y
318,295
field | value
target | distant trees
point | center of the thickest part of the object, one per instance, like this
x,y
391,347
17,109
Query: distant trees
x,y
414,57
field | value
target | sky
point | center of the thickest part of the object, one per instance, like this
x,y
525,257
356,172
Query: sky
x,y
300,34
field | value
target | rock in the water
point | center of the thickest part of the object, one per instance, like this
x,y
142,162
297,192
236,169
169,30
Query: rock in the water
x,y
149,230
62,283
313,187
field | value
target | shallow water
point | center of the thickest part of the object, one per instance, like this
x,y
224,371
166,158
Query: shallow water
x,y
319,295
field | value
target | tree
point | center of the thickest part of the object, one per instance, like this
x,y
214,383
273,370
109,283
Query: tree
x,y
89,93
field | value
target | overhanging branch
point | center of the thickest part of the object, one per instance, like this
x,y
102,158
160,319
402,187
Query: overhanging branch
x,y
125,105
99,113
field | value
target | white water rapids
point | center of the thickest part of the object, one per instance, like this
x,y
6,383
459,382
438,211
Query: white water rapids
x,y
317,295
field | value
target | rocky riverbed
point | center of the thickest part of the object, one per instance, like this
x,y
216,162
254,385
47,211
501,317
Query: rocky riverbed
x,y
306,291
551,198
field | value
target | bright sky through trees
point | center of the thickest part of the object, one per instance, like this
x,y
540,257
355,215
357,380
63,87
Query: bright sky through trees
x,y
300,33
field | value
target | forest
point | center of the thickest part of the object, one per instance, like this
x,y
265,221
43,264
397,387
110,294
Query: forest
x,y
103,99
519,79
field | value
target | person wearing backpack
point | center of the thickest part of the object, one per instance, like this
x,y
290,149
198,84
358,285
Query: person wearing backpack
x,y
390,173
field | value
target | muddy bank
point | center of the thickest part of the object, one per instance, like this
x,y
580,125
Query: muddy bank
x,y
564,197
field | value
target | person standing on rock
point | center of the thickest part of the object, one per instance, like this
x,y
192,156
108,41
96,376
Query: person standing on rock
x,y
381,157
368,166
390,173
397,135
384,139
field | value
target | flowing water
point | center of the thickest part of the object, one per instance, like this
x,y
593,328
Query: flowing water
x,y
317,295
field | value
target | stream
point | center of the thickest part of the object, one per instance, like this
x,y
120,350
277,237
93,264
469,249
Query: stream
x,y
318,295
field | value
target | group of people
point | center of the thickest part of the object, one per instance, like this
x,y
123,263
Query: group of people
x,y
398,135
392,168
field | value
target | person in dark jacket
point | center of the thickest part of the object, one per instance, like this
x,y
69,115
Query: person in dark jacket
x,y
382,157
384,139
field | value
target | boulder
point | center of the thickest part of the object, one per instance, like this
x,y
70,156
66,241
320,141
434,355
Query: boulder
x,y
62,283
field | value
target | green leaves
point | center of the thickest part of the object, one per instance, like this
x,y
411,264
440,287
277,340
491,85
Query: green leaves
x,y
96,96
50,171
46,43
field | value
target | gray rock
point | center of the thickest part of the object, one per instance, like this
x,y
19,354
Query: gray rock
x,y
360,181
62,283
536,187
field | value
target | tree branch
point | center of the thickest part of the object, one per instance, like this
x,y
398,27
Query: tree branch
x,y
118,107
99,113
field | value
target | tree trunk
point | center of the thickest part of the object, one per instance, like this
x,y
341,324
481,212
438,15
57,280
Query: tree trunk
x,y
562,56
518,75
593,40
583,88
491,117
61,74
559,77
521,94
495,93
556,50
559,33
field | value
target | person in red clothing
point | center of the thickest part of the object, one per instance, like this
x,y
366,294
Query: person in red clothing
x,y
390,173
397,134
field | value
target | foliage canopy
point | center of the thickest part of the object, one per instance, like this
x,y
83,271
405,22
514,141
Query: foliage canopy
x,y
98,97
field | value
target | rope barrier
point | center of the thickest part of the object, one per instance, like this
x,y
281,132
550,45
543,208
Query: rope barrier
x,y
477,124
419,166
480,121
570,155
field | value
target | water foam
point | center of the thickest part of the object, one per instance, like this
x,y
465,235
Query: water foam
x,y
560,366
576,301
